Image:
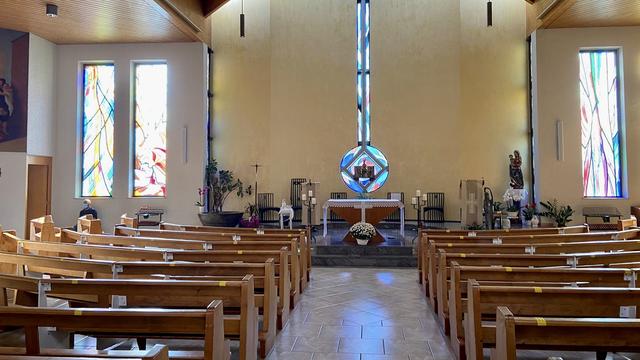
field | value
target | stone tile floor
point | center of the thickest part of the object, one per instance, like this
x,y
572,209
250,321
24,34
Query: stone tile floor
x,y
361,314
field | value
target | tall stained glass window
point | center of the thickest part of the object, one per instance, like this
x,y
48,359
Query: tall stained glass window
x,y
150,130
97,129
600,117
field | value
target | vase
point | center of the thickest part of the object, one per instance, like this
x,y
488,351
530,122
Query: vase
x,y
224,218
506,223
202,210
512,214
527,223
362,242
535,222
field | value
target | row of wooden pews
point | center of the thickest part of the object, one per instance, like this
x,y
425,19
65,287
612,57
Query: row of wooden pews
x,y
548,289
227,284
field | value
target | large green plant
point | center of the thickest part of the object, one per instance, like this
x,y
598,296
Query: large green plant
x,y
222,183
559,213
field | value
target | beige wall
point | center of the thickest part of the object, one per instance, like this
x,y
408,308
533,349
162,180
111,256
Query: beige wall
x,y
558,99
186,106
13,190
448,93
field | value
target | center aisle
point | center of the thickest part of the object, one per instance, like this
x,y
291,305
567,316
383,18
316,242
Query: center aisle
x,y
361,314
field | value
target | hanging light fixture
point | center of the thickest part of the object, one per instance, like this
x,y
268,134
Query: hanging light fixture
x,y
489,13
242,20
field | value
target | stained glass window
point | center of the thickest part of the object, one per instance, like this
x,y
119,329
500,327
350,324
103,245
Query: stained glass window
x,y
97,129
150,129
600,119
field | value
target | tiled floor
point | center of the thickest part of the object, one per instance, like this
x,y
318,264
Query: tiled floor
x,y
361,314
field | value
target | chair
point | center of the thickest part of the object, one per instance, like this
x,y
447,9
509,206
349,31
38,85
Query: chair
x,y
296,201
336,195
266,211
433,212
286,210
395,216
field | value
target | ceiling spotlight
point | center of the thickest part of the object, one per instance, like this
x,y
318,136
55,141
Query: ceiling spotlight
x,y
52,10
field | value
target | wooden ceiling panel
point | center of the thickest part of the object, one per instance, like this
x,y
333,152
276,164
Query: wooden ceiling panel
x,y
595,13
93,21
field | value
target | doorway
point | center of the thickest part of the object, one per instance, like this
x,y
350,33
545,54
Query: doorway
x,y
38,188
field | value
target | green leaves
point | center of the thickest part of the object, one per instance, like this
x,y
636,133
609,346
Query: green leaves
x,y
559,213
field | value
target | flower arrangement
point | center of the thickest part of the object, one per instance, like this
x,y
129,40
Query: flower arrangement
x,y
529,211
203,193
363,231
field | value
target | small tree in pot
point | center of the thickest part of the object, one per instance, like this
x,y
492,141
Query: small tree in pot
x,y
559,213
221,184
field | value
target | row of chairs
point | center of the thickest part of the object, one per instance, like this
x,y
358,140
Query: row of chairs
x,y
546,289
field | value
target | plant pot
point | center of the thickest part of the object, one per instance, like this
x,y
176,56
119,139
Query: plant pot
x,y
225,218
513,214
362,241
202,210
535,222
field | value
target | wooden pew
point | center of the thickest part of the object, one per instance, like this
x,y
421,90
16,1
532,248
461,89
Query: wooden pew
x,y
157,352
511,239
162,243
423,233
102,252
206,323
595,334
531,248
536,301
509,276
237,297
296,232
301,238
87,224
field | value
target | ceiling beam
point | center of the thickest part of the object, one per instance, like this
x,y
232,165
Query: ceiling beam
x,y
183,16
210,6
553,11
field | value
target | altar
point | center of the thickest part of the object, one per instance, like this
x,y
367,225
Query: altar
x,y
372,211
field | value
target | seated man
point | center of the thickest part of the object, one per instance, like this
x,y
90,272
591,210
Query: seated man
x,y
87,209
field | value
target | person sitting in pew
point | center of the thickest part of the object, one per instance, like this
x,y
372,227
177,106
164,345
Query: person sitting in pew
x,y
87,209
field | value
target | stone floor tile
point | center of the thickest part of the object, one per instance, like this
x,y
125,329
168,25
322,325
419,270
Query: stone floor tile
x,y
361,346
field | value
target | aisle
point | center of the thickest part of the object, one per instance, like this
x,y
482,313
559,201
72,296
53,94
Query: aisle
x,y
362,314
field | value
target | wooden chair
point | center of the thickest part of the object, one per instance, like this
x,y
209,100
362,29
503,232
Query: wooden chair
x,y
206,323
595,334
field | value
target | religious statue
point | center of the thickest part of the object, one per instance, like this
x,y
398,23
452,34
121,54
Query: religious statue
x,y
515,171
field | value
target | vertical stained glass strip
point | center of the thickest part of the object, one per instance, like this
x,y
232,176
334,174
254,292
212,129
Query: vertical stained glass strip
x,y
600,120
97,129
150,152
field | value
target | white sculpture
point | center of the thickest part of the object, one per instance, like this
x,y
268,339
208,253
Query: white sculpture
x,y
286,210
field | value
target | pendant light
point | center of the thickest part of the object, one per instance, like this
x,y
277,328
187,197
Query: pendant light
x,y
489,13
242,20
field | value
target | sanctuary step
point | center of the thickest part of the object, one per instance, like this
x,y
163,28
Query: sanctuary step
x,y
364,256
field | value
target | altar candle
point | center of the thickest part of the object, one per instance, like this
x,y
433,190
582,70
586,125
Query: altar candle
x,y
424,197
313,201
418,193
310,193
304,197
414,201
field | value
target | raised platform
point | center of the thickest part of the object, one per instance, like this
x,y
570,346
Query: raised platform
x,y
396,251
363,256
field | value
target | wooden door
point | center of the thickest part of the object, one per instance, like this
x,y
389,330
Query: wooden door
x,y
38,188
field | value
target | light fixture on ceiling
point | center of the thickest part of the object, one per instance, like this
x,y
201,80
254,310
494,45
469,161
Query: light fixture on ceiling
x,y
52,10
489,13
242,20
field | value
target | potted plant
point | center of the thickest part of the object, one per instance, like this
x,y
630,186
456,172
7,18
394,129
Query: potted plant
x,y
221,184
559,213
363,232
529,212
253,221
202,200
513,211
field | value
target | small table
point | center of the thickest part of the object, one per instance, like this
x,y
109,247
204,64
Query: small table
x,y
363,210
603,212
146,214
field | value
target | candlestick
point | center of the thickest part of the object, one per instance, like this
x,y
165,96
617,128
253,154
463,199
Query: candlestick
x,y
304,197
310,193
414,201
313,201
424,197
418,193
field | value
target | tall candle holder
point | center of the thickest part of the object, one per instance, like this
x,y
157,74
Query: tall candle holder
x,y
310,201
419,201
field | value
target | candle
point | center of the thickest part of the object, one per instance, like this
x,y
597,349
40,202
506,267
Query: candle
x,y
304,197
418,192
313,201
310,193
414,201
424,197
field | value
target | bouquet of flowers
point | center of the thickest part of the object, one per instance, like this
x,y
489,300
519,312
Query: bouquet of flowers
x,y
363,231
529,211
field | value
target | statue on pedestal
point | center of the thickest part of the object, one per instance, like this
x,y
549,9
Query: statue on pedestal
x,y
515,171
